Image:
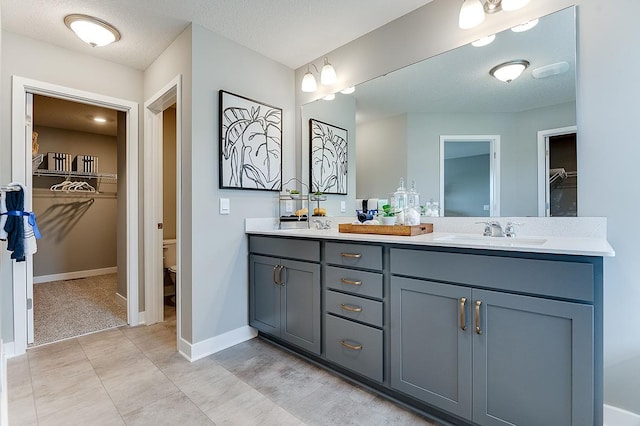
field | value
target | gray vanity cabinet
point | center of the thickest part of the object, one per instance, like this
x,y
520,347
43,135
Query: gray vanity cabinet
x,y
285,293
491,356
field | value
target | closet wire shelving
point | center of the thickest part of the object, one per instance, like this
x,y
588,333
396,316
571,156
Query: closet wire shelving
x,y
101,178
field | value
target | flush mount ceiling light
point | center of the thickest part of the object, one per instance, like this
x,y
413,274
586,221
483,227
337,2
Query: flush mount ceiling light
x,y
92,31
484,41
472,12
525,27
99,119
327,77
509,71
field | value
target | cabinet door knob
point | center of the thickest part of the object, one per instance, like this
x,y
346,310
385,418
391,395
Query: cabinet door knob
x,y
351,255
350,308
350,346
350,282
463,326
478,330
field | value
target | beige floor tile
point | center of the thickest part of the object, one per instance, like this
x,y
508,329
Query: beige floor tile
x,y
209,396
22,411
85,412
192,375
54,355
175,409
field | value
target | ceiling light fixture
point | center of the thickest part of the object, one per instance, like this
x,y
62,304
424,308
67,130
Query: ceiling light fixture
x,y
330,97
348,90
525,27
472,12
327,77
509,71
92,31
99,119
484,41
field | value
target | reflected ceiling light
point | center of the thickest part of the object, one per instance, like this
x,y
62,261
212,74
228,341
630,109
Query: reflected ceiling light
x,y
509,5
330,97
484,41
99,119
550,70
328,75
92,31
472,12
525,27
348,90
309,82
509,71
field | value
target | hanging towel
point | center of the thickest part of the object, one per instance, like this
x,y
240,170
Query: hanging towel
x,y
3,217
21,227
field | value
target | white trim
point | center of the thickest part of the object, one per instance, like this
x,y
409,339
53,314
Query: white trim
x,y
494,184
9,350
199,350
543,165
614,416
153,110
21,171
141,318
121,300
74,275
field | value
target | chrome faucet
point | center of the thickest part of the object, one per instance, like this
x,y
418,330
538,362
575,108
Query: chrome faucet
x,y
492,229
320,225
510,229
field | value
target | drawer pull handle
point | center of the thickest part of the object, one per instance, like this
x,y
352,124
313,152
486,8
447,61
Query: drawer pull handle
x,y
478,330
350,346
350,308
275,268
351,255
350,282
280,281
463,326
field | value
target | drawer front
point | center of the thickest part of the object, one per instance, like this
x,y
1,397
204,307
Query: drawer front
x,y
354,346
353,307
354,255
555,278
354,281
285,247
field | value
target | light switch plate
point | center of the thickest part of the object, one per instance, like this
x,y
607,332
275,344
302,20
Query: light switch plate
x,y
343,206
225,206
288,206
486,207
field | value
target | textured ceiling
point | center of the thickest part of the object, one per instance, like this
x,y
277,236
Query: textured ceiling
x,y
292,32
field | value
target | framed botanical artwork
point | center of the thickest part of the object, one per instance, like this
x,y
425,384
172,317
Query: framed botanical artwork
x,y
250,144
328,158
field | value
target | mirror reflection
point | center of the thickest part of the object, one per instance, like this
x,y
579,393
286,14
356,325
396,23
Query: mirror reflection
x,y
400,120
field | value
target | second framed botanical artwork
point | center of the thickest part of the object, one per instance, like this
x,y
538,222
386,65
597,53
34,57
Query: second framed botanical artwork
x,y
328,157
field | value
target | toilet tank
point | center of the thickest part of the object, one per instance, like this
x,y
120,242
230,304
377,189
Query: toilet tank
x,y
169,253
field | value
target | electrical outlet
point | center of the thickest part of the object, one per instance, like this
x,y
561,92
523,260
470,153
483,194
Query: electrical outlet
x,y
288,206
343,206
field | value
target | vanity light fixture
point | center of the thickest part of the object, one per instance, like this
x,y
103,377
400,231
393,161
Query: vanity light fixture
x,y
327,77
92,31
484,41
348,90
330,97
472,12
509,71
525,27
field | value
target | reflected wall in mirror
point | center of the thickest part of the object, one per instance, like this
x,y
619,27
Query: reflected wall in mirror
x,y
401,116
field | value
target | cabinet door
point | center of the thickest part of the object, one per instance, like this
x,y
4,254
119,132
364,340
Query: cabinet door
x,y
300,299
430,352
264,300
533,363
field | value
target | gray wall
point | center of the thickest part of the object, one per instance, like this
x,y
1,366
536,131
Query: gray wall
x,y
606,111
65,68
78,232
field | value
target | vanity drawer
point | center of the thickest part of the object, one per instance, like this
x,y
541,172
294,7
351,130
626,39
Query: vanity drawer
x,y
570,280
354,346
285,247
354,281
353,307
354,255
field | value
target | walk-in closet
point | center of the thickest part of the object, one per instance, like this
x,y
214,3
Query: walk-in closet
x,y
78,154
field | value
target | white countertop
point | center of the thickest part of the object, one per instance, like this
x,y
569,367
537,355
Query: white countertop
x,y
543,243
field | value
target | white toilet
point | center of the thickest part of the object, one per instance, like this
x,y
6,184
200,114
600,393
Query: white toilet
x,y
169,263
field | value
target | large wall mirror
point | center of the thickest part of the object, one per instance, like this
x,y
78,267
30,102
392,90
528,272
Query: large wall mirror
x,y
400,118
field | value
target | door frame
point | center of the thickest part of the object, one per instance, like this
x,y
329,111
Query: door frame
x,y
153,111
21,172
543,165
494,172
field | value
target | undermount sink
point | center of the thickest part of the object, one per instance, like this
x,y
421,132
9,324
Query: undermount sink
x,y
493,241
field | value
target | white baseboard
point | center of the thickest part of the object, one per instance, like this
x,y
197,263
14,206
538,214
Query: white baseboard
x,y
199,350
614,416
121,300
140,319
74,275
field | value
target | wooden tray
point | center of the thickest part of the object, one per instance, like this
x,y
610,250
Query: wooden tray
x,y
423,228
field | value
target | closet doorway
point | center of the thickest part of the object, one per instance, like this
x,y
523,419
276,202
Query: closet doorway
x,y
558,172
23,94
77,288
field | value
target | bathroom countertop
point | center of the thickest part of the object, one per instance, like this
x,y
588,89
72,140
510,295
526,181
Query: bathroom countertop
x,y
570,245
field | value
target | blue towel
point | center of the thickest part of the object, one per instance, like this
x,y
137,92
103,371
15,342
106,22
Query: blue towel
x,y
15,225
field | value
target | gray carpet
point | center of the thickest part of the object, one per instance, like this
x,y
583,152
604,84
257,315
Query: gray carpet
x,y
69,308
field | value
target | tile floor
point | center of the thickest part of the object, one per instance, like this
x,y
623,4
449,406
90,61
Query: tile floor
x,y
134,376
